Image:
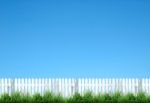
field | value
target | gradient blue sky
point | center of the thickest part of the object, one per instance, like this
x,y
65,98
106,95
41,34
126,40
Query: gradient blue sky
x,y
74,38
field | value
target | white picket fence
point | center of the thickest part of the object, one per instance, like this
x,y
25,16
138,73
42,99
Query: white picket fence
x,y
68,87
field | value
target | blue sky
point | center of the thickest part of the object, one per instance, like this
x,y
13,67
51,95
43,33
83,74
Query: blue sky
x,y
74,38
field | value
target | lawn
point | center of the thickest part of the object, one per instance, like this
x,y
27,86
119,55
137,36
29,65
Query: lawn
x,y
88,97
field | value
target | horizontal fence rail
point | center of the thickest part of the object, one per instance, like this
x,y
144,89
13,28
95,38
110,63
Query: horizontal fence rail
x,y
68,87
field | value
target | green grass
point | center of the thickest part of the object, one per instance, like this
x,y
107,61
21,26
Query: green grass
x,y
76,98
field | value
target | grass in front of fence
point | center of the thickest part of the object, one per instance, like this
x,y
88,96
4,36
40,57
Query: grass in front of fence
x,y
76,98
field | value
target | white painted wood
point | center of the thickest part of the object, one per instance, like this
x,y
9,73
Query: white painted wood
x,y
68,87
